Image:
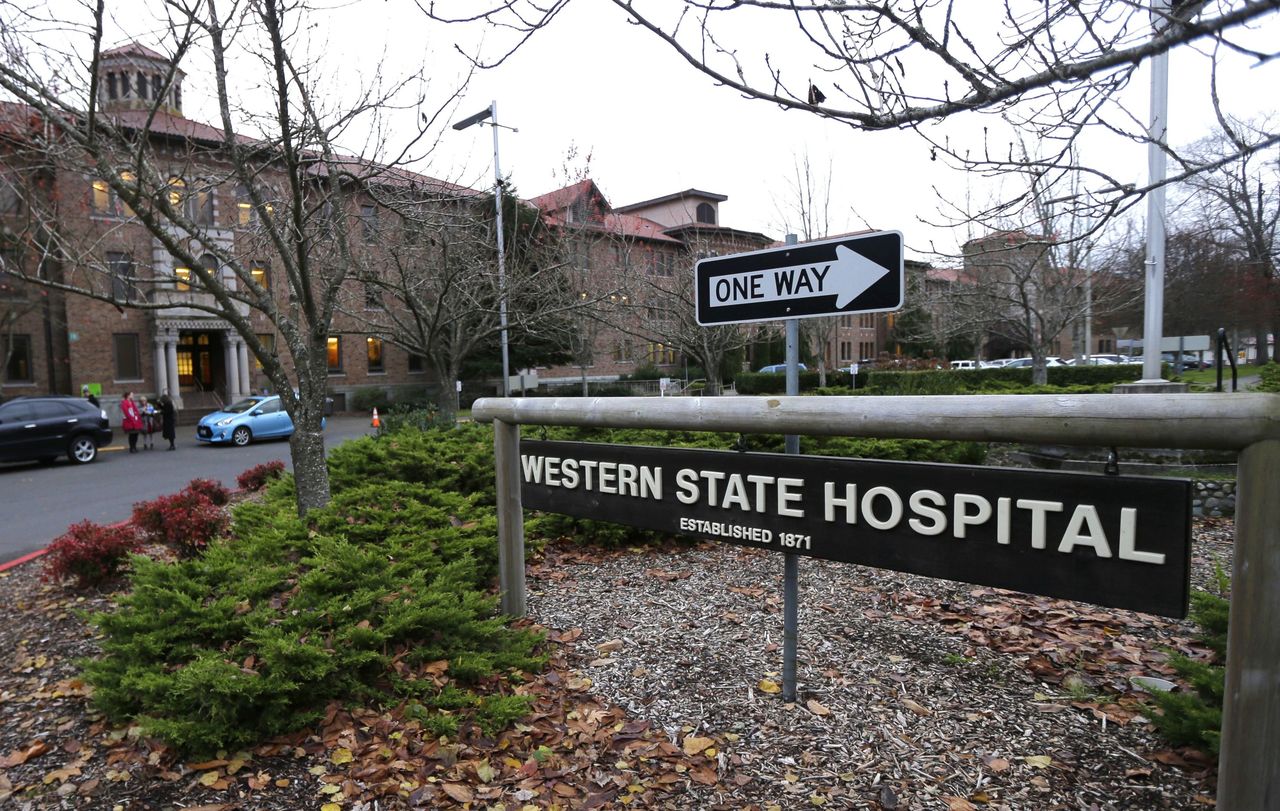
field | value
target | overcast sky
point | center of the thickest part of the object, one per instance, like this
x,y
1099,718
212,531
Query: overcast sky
x,y
653,125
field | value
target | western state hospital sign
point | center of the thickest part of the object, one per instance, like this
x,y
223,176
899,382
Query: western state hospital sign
x,y
1118,541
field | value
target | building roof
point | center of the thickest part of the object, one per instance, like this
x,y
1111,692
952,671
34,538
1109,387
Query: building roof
x,y
560,199
666,198
134,49
695,229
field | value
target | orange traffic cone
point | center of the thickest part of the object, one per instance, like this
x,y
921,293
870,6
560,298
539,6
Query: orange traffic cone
x,y
376,422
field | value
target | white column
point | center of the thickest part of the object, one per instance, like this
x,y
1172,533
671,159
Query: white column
x,y
244,367
162,370
232,359
171,364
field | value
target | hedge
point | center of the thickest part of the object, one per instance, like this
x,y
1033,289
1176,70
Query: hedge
x,y
1010,381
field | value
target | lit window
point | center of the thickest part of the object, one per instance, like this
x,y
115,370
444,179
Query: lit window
x,y
258,272
268,341
335,354
183,276
101,197
129,179
374,346
244,207
177,191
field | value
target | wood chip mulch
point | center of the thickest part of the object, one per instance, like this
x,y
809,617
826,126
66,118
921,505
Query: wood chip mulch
x,y
663,692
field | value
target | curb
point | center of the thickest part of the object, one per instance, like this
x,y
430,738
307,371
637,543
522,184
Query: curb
x,y
4,567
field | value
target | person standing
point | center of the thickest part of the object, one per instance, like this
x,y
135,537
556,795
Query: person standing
x,y
168,420
132,422
148,411
87,393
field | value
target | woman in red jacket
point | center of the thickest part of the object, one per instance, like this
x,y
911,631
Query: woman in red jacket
x,y
132,423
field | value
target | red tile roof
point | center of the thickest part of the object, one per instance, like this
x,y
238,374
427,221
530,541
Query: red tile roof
x,y
134,49
560,199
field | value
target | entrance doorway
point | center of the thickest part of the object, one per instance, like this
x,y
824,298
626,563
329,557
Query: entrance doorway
x,y
201,370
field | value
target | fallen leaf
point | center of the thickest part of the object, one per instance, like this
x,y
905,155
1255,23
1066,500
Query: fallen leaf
x,y
209,778
1038,761
768,686
997,764
340,756
918,709
816,707
959,804
20,756
330,807
459,792
693,745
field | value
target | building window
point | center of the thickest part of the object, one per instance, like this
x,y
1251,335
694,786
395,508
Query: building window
x,y
706,213
268,341
244,207
111,87
11,287
128,356
200,204
417,363
660,354
177,192
10,199
622,352
105,201
17,359
369,222
155,87
124,85
374,349
142,85
258,272
335,354
120,267
373,297
182,279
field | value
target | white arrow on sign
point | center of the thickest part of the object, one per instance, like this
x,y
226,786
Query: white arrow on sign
x,y
848,277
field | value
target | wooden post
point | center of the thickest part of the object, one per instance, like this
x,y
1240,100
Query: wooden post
x,y
506,447
1249,765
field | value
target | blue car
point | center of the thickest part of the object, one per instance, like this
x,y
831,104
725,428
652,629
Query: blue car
x,y
249,419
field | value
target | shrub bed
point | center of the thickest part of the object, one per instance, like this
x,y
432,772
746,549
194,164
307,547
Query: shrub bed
x,y
1004,381
253,637
187,520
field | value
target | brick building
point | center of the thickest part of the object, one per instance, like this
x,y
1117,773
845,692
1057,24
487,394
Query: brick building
x,y
626,253
51,341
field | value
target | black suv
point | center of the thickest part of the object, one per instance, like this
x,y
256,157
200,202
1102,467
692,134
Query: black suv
x,y
44,428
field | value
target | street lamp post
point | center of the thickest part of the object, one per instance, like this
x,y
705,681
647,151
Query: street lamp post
x,y
491,114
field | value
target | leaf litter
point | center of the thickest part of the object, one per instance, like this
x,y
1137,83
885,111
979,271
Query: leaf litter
x,y
664,691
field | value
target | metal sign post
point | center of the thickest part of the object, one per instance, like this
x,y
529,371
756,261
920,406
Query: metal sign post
x,y
790,561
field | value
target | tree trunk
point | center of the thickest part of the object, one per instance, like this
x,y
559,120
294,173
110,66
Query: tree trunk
x,y
1263,351
310,472
447,402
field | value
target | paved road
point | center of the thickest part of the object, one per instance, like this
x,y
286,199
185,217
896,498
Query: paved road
x,y
38,502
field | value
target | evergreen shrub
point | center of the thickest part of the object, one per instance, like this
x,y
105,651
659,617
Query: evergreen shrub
x,y
254,637
1270,377
1195,718
368,398
91,553
455,459
256,477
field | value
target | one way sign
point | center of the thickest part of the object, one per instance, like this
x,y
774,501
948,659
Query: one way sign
x,y
856,274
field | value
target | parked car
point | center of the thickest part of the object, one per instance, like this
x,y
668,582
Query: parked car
x,y
1019,363
964,364
1093,361
995,364
242,422
44,428
1189,361
779,368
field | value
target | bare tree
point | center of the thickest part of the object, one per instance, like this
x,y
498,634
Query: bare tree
x,y
437,293
1236,209
806,211
1051,71
296,193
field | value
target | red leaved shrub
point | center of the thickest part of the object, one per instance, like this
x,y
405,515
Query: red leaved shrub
x,y
210,489
256,477
186,521
91,553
